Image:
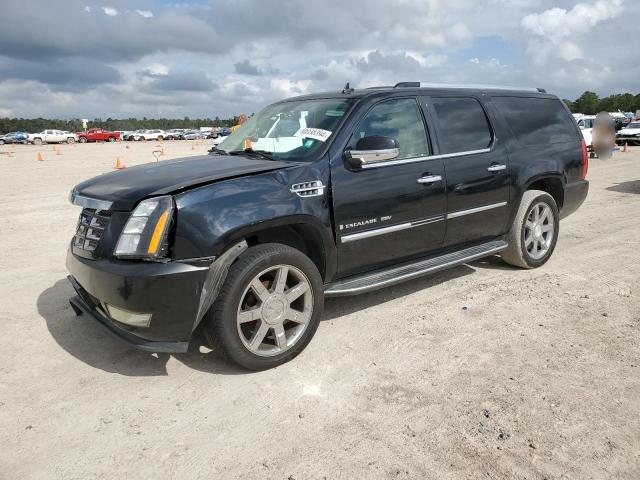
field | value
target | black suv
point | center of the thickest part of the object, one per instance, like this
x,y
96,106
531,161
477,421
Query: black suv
x,y
322,195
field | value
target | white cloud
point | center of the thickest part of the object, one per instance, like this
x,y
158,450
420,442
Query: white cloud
x,y
558,32
144,13
474,60
110,11
157,69
87,8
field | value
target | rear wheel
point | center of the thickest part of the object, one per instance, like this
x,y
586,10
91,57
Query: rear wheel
x,y
37,141
268,309
534,231
111,139
82,139
71,140
1,141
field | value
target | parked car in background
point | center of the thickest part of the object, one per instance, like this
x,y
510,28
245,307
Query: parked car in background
x,y
175,134
222,133
194,135
97,135
51,136
586,126
14,137
629,134
131,136
150,135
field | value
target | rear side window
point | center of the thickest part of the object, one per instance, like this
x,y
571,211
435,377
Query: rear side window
x,y
462,125
537,121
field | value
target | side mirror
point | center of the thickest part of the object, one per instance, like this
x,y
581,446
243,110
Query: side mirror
x,y
371,150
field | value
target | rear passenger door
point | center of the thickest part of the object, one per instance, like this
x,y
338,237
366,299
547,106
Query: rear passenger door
x,y
476,166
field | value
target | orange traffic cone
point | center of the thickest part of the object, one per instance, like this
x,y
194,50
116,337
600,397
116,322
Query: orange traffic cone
x,y
58,152
162,151
193,147
119,165
626,147
40,157
127,147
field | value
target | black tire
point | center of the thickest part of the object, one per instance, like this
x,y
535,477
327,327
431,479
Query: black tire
x,y
82,140
220,324
160,138
111,139
518,254
71,140
1,141
37,141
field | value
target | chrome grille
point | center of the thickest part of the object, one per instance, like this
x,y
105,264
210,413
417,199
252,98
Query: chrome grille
x,y
91,225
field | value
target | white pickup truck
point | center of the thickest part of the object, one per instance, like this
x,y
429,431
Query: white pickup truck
x,y
586,126
51,136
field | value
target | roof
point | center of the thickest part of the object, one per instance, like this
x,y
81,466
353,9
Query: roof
x,y
420,87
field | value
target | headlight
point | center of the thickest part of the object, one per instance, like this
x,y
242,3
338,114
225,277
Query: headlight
x,y
145,233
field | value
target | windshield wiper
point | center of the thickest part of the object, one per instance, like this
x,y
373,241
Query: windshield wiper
x,y
217,151
255,153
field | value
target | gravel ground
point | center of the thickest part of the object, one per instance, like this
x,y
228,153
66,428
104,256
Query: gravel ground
x,y
538,378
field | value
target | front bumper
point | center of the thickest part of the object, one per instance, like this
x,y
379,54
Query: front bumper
x,y
574,195
169,291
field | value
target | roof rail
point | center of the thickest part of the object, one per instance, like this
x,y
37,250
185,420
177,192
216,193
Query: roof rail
x,y
470,86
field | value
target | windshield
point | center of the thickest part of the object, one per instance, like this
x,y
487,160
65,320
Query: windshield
x,y
634,125
290,130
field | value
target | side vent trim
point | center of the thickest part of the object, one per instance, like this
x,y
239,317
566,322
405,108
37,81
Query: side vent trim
x,y
308,189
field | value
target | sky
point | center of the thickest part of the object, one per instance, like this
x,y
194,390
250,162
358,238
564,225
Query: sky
x,y
137,58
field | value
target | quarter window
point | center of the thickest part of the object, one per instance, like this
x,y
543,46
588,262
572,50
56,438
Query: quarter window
x,y
399,119
462,125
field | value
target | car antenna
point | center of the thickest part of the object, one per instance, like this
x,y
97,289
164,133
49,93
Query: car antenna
x,y
347,89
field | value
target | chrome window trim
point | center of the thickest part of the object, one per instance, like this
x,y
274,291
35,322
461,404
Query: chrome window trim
x,y
422,159
87,202
461,213
390,229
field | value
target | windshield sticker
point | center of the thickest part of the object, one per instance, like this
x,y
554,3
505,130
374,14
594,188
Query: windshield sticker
x,y
315,133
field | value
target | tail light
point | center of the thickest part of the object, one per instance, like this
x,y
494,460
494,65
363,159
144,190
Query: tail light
x,y
585,160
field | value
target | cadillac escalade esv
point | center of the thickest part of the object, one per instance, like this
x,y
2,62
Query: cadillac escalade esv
x,y
322,195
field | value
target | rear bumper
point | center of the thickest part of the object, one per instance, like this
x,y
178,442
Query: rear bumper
x,y
574,196
170,292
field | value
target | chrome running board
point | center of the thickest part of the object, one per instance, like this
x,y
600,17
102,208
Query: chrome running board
x,y
390,276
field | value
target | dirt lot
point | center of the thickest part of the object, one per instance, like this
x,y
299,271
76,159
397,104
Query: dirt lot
x,y
538,378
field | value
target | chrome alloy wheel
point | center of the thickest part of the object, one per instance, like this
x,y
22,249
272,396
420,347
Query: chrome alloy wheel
x,y
275,310
539,229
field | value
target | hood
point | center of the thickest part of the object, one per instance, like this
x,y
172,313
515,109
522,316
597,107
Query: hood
x,y
125,188
629,131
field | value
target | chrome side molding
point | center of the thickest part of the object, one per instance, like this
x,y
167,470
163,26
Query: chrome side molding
x,y
461,213
390,229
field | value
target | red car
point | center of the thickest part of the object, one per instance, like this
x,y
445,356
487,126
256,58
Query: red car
x,y
97,135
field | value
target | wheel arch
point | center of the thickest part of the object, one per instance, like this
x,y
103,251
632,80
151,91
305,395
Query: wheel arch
x,y
551,183
302,232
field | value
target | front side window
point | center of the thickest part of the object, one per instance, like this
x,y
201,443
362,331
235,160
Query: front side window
x,y
293,130
399,119
462,125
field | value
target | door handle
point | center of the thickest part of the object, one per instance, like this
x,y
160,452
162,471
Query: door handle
x,y
497,168
429,179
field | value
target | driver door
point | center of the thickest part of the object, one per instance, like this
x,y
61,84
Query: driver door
x,y
386,213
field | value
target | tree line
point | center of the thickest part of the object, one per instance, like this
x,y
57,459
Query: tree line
x,y
34,125
590,103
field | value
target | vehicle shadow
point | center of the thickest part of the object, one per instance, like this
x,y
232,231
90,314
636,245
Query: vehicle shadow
x,y
87,341
632,186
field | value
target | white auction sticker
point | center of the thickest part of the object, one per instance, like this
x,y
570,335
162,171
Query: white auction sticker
x,y
315,133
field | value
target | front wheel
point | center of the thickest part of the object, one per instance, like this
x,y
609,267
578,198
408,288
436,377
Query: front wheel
x,y
534,231
71,140
160,138
268,309
37,141
82,140
111,139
